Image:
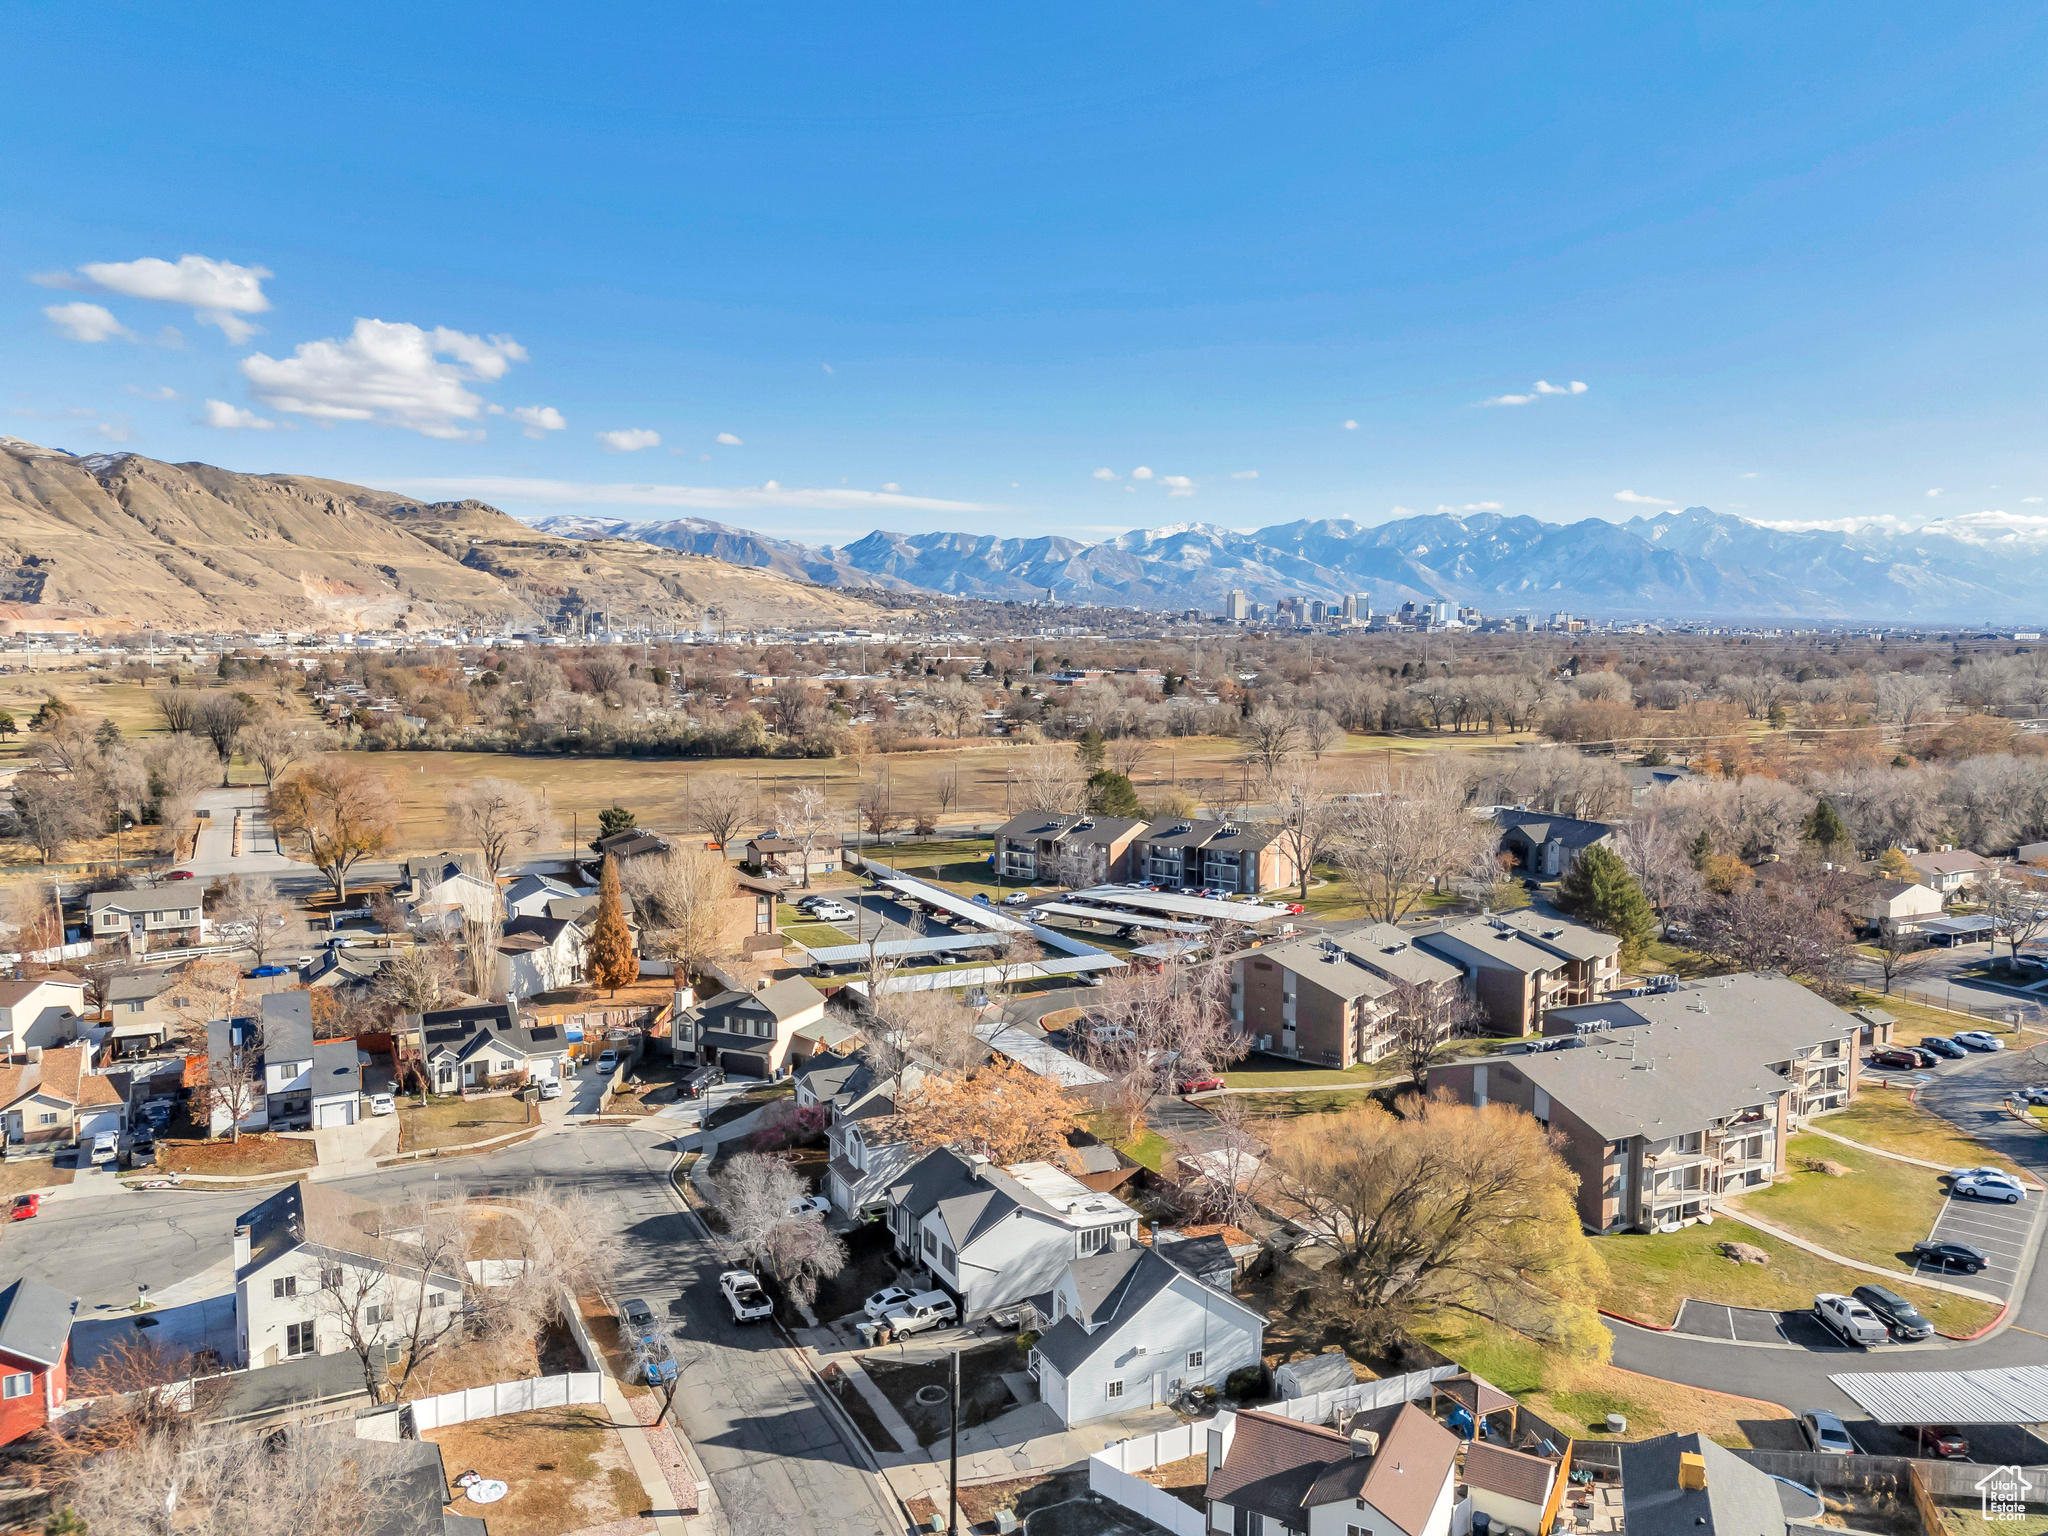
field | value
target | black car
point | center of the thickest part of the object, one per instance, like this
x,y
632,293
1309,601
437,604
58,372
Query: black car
x,y
1950,1256
701,1081
1941,1047
1897,1313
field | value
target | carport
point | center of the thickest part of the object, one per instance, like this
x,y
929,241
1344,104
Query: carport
x,y
2014,1396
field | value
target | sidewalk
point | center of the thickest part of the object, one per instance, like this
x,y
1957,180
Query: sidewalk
x,y
668,1517
1897,1157
1734,1208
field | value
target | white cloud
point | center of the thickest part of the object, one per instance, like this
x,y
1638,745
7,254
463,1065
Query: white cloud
x,y
1177,485
1244,474
116,430
1105,474
629,439
892,487
387,372
1545,387
826,366
729,440
535,421
2030,501
219,292
1636,498
1508,400
1934,490
232,417
1141,473
565,493
1444,506
1350,426
165,393
1747,474
1484,506
1400,511
85,322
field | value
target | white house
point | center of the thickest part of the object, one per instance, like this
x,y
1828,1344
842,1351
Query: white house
x,y
863,1161
160,919
529,895
1950,870
487,1046
748,1034
287,1025
540,954
337,1083
1130,1326
992,1237
41,1011
309,1255
1394,1474
1901,906
235,1047
443,895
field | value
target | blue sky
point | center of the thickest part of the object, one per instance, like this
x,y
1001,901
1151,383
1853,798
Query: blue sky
x,y
943,267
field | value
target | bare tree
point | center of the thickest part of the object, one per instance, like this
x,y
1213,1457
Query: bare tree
x,y
416,979
1233,1162
234,1082
804,816
876,810
1049,778
1659,862
2016,897
1319,731
1400,840
255,904
501,819
178,708
204,991
1424,1018
180,770
1269,737
756,1196
481,936
1311,822
274,741
684,896
720,806
220,719
1898,953
47,813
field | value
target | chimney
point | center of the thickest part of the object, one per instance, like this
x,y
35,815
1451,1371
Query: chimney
x,y
1365,1443
1692,1471
977,1165
241,1245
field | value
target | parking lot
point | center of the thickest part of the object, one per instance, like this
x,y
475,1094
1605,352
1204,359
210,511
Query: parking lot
x,y
1749,1325
1999,1232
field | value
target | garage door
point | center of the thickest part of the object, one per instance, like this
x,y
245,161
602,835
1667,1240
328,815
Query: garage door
x,y
337,1114
101,1122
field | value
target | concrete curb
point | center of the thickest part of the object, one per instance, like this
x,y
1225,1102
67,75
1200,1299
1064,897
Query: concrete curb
x,y
1902,1276
1637,1322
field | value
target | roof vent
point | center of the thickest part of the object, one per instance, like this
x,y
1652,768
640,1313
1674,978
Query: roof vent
x,y
1365,1443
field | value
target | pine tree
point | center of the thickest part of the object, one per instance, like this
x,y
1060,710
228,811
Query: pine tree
x,y
1700,850
612,961
613,820
1825,826
1089,748
1111,794
1598,889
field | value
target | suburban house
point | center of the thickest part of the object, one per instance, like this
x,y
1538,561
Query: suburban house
x,y
1546,846
1065,848
1644,782
287,1025
540,954
145,920
43,1010
1950,869
1900,906
748,1034
35,1356
862,1160
1393,1474
529,895
1513,1489
1669,1101
1686,1485
622,847
1519,965
1241,858
337,1083
1330,998
774,854
56,1100
308,1255
1129,1327
141,1020
992,1237
487,1045
234,1051
439,896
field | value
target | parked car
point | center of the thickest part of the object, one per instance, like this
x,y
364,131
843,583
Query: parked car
x,y
981,899
607,1062
158,1112
884,1301
744,1295
141,1152
551,1088
657,1362
1944,1441
181,874
383,1104
1944,1048
805,903
1990,1186
1016,898
1208,1082
1849,1320
701,1081
2034,1093
25,1207
1979,1040
1949,1256
927,1309
104,1150
1922,1058
637,1320
1895,1058
810,1205
270,970
1898,1314
1826,1433
832,912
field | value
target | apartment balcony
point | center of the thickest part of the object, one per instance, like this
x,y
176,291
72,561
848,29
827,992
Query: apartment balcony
x,y
1675,1158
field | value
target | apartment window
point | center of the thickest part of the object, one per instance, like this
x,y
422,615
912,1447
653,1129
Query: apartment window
x,y
298,1339
437,1298
283,1286
1115,1389
931,1243
185,914
19,1385
1357,1530
1194,1359
330,1277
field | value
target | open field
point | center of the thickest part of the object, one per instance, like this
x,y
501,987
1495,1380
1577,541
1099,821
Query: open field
x,y
565,1466
1650,1273
1875,1212
453,1122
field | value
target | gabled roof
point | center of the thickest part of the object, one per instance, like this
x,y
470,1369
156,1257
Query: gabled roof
x,y
780,1001
1067,826
12,992
137,986
63,1076
628,844
1404,1477
288,1026
141,901
1738,1500
527,886
1272,1464
1113,1289
35,1322
548,930
1541,827
325,1220
1957,861
463,1032
1225,836
1511,1474
336,1069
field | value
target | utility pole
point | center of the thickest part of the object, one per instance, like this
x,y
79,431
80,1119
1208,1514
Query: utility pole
x,y
953,1456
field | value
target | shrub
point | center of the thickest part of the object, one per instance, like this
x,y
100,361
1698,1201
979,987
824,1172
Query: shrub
x,y
1246,1382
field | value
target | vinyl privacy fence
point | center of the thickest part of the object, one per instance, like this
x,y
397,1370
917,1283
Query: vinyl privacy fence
x,y
505,1397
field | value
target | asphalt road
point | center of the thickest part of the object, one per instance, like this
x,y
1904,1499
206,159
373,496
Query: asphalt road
x,y
1967,1093
758,1423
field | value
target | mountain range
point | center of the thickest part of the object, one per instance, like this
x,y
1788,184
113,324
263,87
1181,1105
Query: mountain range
x,y
1694,564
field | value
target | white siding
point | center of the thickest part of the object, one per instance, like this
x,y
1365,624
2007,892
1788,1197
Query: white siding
x,y
1022,1255
1186,1316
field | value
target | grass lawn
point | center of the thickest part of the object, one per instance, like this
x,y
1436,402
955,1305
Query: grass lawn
x,y
1577,1395
1888,1118
1878,1211
1964,1521
1308,1101
1650,1273
1148,1147
254,1154
19,1175
916,858
566,1468
814,935
1280,1072
1917,1019
748,1102
1661,957
454,1122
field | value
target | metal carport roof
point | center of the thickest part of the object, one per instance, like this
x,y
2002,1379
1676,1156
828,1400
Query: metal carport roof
x,y
2015,1394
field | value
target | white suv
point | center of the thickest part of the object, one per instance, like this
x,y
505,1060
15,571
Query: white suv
x,y
927,1309
1850,1320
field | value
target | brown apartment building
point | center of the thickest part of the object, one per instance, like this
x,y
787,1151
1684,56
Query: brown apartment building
x,y
1521,964
1243,858
1064,848
1329,998
1669,1102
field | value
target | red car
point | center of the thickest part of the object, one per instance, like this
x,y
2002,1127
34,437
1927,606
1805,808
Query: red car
x,y
1944,1441
25,1206
1894,1058
1207,1084
181,874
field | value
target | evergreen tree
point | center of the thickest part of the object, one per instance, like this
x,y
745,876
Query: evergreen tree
x,y
1089,749
1111,794
1824,826
611,821
610,954
1700,850
1599,890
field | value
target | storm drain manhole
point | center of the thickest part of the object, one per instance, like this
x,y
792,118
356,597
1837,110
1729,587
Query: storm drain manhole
x,y
931,1397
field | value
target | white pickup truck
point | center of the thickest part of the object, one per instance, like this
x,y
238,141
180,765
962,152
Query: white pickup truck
x,y
743,1293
